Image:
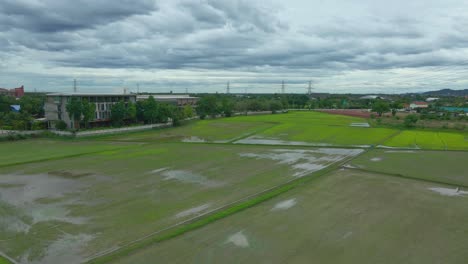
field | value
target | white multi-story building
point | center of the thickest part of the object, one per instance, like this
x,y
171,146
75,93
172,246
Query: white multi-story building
x,y
55,106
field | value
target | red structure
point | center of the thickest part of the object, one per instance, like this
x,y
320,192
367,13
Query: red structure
x,y
15,92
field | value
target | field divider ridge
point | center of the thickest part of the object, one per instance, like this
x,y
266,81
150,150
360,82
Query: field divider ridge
x,y
56,158
7,259
407,177
213,215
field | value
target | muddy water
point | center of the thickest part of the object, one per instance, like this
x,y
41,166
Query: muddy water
x,y
190,177
302,161
238,239
32,199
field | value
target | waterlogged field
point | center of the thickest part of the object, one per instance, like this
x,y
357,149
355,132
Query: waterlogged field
x,y
440,166
429,140
67,210
345,217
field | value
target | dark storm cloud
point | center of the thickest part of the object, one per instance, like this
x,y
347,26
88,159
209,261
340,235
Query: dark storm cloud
x,y
244,36
57,15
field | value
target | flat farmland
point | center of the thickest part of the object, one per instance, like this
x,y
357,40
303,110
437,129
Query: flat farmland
x,y
214,130
332,135
316,128
68,210
43,149
419,139
246,189
441,166
344,217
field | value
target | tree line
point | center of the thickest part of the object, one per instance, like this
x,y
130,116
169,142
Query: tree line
x,y
123,113
31,108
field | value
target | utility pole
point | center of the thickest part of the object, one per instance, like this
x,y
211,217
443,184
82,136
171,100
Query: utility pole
x,y
74,85
310,88
282,87
228,89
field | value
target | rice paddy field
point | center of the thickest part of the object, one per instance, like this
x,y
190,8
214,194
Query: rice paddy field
x,y
418,139
345,217
299,187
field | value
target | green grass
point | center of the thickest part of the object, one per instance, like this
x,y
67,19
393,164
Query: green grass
x,y
347,217
438,166
212,130
4,261
429,140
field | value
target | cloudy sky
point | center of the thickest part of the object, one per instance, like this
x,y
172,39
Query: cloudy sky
x,y
357,46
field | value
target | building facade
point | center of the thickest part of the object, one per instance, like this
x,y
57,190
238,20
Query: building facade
x,y
15,92
176,99
418,104
55,106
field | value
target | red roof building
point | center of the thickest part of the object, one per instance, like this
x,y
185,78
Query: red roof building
x,y
419,104
15,92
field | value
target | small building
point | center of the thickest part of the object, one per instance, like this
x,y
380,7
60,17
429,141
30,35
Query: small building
x,y
418,104
15,92
176,99
55,106
432,99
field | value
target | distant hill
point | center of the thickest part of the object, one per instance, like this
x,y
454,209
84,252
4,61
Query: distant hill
x,y
447,92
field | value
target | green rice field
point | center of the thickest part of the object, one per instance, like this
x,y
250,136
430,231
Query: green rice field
x,y
299,187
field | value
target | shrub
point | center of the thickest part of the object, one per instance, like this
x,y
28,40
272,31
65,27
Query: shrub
x,y
61,125
410,120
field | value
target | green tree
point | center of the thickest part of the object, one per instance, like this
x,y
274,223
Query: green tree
x,y
88,111
5,102
74,109
131,112
275,106
177,115
410,120
33,105
207,106
150,110
380,107
118,113
227,106
188,111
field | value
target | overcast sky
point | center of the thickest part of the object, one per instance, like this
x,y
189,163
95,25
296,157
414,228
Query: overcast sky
x,y
356,46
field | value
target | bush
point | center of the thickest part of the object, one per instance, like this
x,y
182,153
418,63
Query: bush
x,y
410,120
61,125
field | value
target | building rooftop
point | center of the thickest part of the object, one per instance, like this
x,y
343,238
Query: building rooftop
x,y
419,103
89,94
